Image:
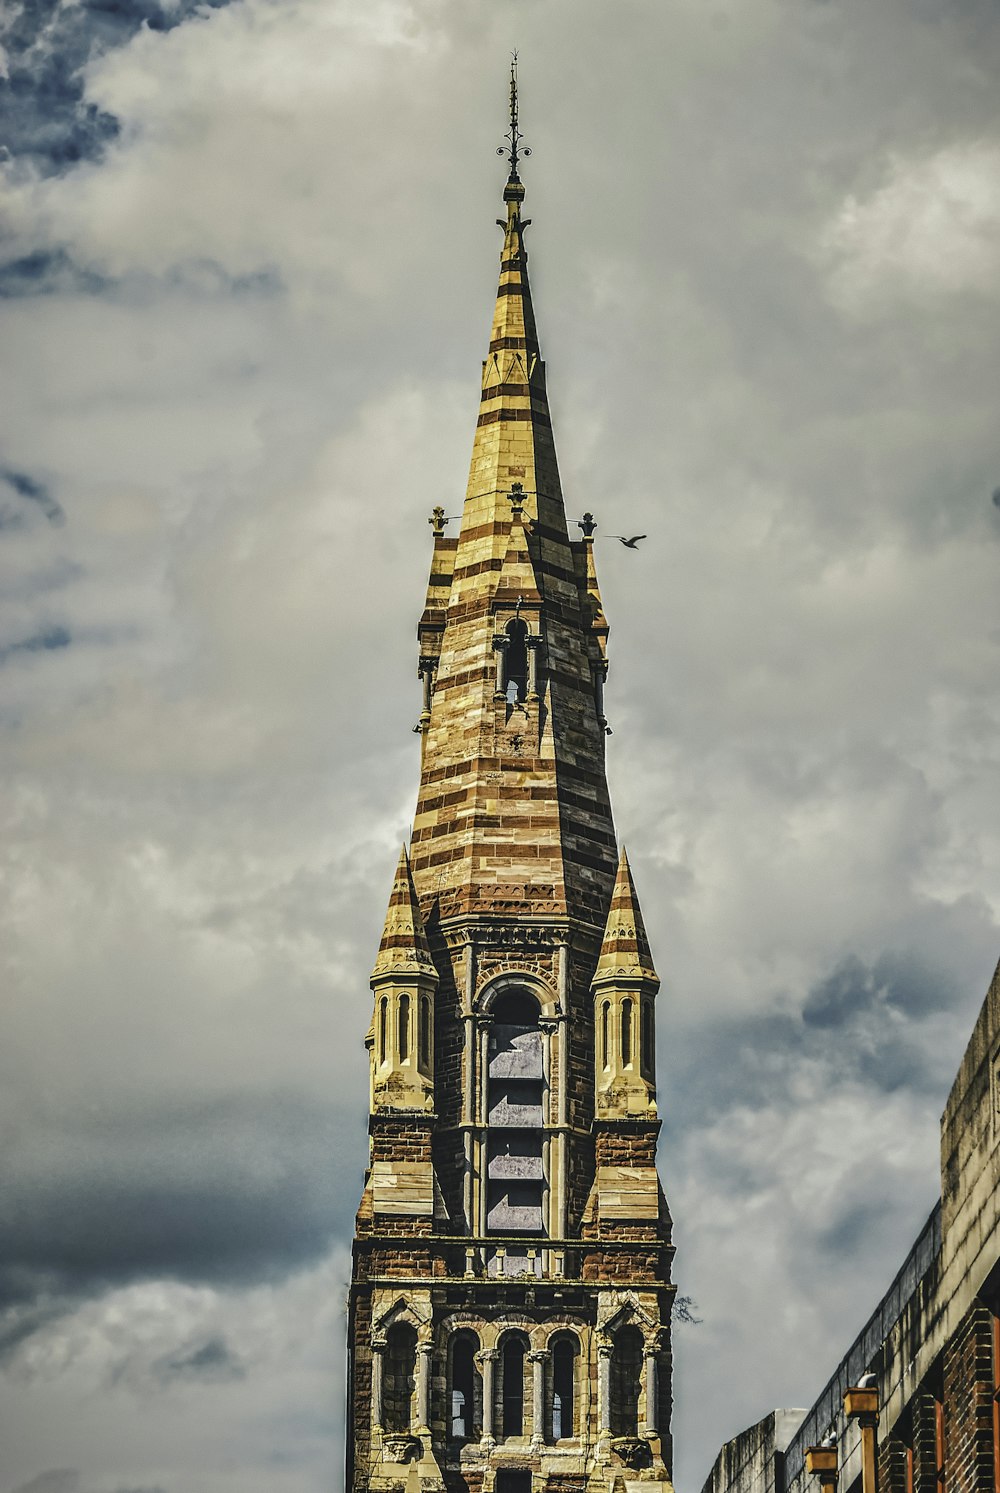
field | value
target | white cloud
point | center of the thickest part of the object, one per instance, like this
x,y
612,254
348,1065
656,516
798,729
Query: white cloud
x,y
207,787
932,227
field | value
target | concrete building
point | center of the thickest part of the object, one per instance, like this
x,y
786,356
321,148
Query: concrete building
x,y
511,1295
932,1344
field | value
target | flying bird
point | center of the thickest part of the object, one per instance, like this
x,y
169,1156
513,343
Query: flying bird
x,y
629,544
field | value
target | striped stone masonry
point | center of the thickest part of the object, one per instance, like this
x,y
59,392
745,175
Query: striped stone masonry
x,y
511,1298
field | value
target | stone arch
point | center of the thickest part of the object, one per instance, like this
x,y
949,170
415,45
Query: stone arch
x,y
511,980
627,1310
401,1310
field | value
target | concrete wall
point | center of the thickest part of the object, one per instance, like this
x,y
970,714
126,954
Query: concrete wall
x,y
924,1340
753,1461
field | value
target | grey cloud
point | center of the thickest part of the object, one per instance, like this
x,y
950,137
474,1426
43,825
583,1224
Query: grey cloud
x,y
213,1361
901,980
47,272
59,1480
203,824
47,121
228,1192
30,490
43,642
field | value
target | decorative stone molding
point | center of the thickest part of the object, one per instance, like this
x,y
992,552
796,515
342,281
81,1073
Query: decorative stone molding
x,y
634,1451
400,1446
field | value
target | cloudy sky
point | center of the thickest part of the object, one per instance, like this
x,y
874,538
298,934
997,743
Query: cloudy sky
x,y
247,262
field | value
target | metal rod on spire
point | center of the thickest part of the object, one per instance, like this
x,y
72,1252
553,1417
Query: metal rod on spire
x,y
513,149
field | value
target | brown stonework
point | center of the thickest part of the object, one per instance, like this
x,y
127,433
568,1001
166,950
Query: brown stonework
x,y
507,1235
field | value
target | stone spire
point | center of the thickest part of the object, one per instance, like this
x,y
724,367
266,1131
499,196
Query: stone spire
x,y
512,1118
513,816
625,947
625,985
404,949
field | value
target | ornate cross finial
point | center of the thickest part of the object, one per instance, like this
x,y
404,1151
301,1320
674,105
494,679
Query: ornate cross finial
x,y
514,137
516,499
437,521
588,524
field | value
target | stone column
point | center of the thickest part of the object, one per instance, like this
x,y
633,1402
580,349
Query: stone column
x,y
604,1351
424,1351
469,1088
538,1359
487,1358
533,644
562,1107
501,642
479,1196
378,1349
426,674
650,1353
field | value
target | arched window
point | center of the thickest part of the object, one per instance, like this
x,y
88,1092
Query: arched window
x,y
404,1027
606,1035
516,1117
564,1352
466,1388
424,1034
383,1018
626,1032
399,1377
626,1378
516,661
512,1354
648,1038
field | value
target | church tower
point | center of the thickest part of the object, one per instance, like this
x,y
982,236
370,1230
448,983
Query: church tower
x,y
510,1306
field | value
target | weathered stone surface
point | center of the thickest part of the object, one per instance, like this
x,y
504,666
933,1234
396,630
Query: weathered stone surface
x,y
486,1153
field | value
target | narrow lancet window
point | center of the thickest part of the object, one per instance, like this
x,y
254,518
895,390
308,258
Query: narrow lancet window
x,y
606,1035
404,1028
424,1035
626,1378
648,1038
398,1385
512,1386
516,661
383,1020
563,1389
464,1417
626,1033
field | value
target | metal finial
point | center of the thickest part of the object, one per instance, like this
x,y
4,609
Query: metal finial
x,y
513,148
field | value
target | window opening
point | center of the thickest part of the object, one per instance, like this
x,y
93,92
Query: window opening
x,y
464,1417
563,1386
404,1028
648,1038
512,1386
606,1035
425,1033
383,1018
626,1377
626,1033
399,1377
516,662
515,1115
510,1481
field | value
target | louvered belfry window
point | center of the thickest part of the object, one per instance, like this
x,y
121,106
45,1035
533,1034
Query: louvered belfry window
x,y
515,1103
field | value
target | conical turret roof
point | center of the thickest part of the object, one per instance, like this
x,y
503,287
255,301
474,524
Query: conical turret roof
x,y
404,949
625,947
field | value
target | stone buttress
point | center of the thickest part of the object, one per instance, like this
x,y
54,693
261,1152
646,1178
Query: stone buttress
x,y
510,1306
